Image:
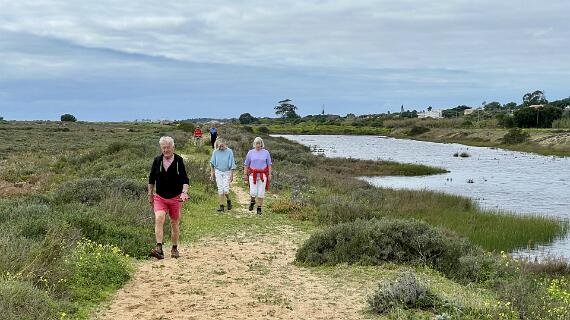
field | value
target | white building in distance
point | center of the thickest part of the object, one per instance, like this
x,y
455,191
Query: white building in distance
x,y
436,114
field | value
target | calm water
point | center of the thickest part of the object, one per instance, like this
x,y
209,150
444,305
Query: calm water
x,y
497,179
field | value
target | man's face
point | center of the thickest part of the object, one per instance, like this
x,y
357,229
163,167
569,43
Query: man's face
x,y
167,150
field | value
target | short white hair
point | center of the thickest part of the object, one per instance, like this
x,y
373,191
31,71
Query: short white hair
x,y
218,142
258,140
166,140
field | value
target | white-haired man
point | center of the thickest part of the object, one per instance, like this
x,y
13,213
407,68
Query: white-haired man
x,y
167,189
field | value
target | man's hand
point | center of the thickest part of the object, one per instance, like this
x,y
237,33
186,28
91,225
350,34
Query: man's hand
x,y
212,177
150,198
183,197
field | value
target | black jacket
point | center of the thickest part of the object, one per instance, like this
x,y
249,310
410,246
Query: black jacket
x,y
168,182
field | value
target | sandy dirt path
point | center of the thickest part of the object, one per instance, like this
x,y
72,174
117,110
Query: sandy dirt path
x,y
242,276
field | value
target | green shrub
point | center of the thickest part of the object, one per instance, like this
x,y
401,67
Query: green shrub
x,y
20,300
92,190
68,117
96,269
263,129
186,126
374,242
338,210
417,130
405,292
125,223
515,136
17,251
45,267
483,268
563,123
294,209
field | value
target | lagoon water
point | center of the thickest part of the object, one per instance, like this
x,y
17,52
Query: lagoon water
x,y
512,181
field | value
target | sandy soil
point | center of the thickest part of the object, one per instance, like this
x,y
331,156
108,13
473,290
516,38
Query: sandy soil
x,y
243,276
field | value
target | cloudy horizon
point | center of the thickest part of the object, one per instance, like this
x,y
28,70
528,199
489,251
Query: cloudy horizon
x,y
113,60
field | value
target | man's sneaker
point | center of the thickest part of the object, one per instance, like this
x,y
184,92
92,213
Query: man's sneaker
x,y
221,208
157,252
174,253
251,205
258,210
230,205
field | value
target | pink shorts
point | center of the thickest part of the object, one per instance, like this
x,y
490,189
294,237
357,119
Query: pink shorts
x,y
172,206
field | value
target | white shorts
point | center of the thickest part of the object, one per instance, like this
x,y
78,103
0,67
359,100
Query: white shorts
x,y
223,181
258,189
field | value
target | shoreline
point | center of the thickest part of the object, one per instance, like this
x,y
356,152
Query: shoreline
x,y
546,142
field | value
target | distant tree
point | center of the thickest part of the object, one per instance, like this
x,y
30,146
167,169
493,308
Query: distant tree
x,y
547,115
285,109
534,98
540,117
1,118
429,108
510,106
68,117
492,107
409,114
562,104
505,120
461,108
246,118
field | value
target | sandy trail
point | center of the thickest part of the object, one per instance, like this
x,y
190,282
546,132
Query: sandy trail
x,y
242,276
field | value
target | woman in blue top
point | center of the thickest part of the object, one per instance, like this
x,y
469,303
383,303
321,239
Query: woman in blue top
x,y
222,170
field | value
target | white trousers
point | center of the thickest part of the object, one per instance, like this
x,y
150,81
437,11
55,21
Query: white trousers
x,y
258,189
223,181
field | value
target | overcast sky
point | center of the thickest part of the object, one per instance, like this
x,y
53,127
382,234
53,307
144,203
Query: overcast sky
x,y
124,60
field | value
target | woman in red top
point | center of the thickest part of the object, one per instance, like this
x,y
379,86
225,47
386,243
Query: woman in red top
x,y
198,136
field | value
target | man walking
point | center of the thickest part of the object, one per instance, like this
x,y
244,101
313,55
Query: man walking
x,y
168,175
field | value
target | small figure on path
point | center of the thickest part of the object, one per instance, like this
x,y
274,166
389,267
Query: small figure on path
x,y
222,171
198,139
168,175
213,136
257,170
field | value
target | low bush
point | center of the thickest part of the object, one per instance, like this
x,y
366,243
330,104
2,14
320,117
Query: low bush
x,y
483,268
563,123
263,129
92,190
405,292
96,269
338,210
187,126
293,209
515,136
20,300
417,130
374,242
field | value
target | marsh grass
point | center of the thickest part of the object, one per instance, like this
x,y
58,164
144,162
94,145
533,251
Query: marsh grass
x,y
336,197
